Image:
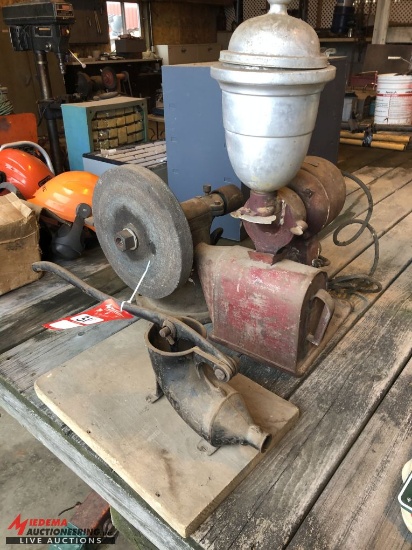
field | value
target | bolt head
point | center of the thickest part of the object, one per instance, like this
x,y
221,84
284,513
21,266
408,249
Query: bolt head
x,y
126,240
220,375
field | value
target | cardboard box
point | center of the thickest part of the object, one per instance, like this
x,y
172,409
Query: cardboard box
x,y
19,243
130,45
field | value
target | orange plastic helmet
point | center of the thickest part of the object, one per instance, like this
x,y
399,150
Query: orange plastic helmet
x,y
63,193
26,172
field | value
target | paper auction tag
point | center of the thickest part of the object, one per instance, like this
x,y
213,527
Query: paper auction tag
x,y
102,313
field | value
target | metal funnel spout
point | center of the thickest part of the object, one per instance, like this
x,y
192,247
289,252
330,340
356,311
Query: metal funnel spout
x,y
258,439
234,423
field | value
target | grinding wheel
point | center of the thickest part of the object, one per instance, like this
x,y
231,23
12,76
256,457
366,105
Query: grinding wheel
x,y
137,218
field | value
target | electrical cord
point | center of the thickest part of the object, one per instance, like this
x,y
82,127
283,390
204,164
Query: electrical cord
x,y
360,282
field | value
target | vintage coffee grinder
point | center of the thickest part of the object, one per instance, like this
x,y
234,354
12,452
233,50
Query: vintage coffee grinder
x,y
270,303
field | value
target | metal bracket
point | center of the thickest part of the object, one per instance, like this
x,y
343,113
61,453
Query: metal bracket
x,y
156,395
205,447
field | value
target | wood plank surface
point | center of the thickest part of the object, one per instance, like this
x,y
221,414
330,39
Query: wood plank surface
x,y
386,215
335,401
46,350
368,175
94,472
359,507
23,363
55,308
380,187
149,445
352,159
26,309
20,299
398,235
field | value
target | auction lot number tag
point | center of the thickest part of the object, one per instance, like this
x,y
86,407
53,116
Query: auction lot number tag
x,y
108,310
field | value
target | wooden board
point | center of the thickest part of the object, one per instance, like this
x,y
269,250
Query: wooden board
x,y
24,311
101,395
351,161
359,507
382,190
339,400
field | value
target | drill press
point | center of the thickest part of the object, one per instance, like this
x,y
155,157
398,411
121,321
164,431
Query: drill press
x,y
41,27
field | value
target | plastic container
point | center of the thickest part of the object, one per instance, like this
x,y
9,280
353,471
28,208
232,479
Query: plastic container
x,y
393,99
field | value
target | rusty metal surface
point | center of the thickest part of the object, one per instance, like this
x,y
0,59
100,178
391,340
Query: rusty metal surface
x,y
321,186
321,322
304,251
289,215
200,218
264,311
187,301
232,197
92,513
200,211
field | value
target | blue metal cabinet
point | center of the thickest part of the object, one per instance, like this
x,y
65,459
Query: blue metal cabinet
x,y
196,149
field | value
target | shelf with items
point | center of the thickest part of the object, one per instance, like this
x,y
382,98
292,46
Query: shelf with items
x,y
105,124
145,75
188,53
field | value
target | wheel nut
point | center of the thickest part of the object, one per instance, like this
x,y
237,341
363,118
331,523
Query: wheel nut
x,y
126,240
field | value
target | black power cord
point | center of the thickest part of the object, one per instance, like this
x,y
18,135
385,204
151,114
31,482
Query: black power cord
x,y
359,282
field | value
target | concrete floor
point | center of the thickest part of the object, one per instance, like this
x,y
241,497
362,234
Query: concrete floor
x,y
34,483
